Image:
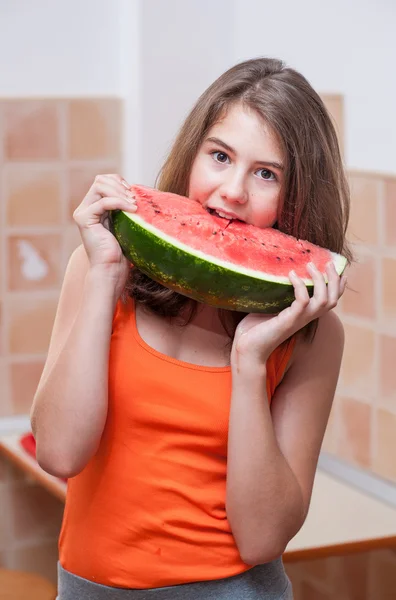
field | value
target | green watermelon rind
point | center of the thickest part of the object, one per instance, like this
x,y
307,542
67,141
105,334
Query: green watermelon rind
x,y
186,270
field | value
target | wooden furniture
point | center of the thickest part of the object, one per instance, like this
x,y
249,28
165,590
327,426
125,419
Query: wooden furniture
x,y
341,519
20,585
11,448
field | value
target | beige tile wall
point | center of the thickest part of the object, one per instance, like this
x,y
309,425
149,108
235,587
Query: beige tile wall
x,y
362,429
49,153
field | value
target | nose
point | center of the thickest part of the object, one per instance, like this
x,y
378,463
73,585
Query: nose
x,y
233,188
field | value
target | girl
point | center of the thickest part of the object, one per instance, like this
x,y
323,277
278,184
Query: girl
x,y
190,435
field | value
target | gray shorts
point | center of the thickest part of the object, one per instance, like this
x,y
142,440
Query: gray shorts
x,y
263,582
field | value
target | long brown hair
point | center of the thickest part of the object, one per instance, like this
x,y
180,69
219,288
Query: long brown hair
x,y
314,202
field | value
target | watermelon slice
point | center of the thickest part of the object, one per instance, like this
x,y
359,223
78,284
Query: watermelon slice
x,y
228,264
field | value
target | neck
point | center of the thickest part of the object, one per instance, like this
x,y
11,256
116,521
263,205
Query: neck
x,y
208,318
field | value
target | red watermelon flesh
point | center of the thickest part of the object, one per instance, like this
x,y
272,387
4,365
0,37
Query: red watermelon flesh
x,y
265,250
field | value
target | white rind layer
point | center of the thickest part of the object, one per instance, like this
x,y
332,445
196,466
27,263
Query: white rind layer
x,y
338,260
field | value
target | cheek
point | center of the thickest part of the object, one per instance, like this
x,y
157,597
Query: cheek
x,y
268,218
266,211
199,183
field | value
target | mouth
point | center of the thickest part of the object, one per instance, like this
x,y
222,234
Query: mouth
x,y
223,215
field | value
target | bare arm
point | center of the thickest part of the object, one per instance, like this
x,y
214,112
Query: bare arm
x,y
273,454
70,406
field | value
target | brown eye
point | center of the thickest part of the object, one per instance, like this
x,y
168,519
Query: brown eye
x,y
266,174
220,157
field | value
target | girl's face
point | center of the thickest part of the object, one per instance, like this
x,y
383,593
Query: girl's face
x,y
238,169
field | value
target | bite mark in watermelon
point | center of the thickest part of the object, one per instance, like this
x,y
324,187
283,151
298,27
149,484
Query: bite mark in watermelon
x,y
228,264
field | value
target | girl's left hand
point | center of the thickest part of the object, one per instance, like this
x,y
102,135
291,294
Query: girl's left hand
x,y
258,335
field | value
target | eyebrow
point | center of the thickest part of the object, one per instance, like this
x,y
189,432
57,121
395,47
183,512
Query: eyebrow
x,y
267,163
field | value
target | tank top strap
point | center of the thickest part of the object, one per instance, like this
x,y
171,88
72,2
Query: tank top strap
x,y
124,319
277,364
125,307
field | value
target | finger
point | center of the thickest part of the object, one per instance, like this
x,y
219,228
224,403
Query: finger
x,y
300,292
93,214
115,182
333,286
106,204
320,297
105,188
116,177
343,284
286,320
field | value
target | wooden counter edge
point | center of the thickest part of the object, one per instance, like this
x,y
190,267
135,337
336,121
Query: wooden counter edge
x,y
56,488
339,549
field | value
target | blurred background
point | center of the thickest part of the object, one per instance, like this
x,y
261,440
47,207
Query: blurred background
x,y
99,86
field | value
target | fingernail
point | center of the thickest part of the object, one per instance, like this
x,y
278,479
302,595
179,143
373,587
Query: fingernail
x,y
310,265
293,274
125,184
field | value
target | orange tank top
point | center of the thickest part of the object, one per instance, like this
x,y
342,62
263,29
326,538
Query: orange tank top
x,y
148,510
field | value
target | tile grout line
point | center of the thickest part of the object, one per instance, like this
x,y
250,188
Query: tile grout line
x,y
4,266
24,358
374,407
378,329
6,399
59,163
35,230
368,324
64,192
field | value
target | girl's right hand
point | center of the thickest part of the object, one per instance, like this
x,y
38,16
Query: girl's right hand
x,y
108,192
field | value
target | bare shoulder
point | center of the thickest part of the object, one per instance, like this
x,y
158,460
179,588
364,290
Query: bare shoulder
x,y
330,325
328,341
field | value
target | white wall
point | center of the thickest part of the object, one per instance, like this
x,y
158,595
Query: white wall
x,y
158,55
341,46
59,47
185,45
161,54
